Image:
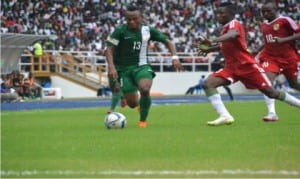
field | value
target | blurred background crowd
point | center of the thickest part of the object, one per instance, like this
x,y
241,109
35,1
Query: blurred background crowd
x,y
83,25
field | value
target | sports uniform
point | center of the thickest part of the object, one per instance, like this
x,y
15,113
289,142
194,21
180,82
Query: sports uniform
x,y
240,65
130,54
280,57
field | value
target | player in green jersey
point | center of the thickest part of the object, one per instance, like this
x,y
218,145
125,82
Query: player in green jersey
x,y
127,59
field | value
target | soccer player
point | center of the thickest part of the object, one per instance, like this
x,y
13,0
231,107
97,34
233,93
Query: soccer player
x,y
240,65
279,54
127,60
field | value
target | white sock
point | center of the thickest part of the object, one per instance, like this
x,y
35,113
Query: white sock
x,y
292,100
270,104
218,104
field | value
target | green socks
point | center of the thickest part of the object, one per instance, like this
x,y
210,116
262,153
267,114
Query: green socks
x,y
145,104
115,100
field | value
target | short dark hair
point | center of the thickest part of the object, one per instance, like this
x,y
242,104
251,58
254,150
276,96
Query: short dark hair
x,y
133,7
231,8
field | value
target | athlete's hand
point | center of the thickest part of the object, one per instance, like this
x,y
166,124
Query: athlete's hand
x,y
112,73
204,46
278,40
176,63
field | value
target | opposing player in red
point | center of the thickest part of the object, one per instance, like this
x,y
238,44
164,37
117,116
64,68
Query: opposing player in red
x,y
279,54
240,65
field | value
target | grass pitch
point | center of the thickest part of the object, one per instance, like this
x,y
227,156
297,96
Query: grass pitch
x,y
176,143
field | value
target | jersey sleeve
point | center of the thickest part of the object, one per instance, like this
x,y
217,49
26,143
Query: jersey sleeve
x,y
234,24
156,35
114,38
292,24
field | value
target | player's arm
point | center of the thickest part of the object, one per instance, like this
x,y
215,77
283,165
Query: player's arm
x,y
175,60
156,35
231,34
207,46
112,42
112,72
293,37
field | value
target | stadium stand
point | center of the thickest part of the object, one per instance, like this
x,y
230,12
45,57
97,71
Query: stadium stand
x,y
85,24
82,26
12,46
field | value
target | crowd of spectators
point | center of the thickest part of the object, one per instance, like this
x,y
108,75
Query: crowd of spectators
x,y
15,86
83,25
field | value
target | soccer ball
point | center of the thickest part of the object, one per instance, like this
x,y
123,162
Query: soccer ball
x,y
115,120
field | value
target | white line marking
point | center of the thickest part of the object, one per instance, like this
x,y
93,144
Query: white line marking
x,y
12,173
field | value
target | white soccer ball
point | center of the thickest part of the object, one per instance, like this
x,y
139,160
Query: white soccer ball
x,y
115,120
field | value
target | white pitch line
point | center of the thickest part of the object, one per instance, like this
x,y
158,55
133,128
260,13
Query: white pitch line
x,y
12,173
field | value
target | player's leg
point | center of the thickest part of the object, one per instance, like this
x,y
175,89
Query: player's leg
x,y
257,79
145,100
130,86
144,78
210,89
129,90
282,96
116,94
271,116
270,103
290,73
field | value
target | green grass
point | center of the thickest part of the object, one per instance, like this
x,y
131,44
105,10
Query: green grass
x,y
176,143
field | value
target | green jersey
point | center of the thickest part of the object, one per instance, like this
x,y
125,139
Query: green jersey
x,y
131,47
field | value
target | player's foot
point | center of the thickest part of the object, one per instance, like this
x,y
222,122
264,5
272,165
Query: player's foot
x,y
221,120
142,124
271,117
123,103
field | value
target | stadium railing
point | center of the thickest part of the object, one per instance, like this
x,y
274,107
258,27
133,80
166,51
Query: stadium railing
x,y
89,69
161,62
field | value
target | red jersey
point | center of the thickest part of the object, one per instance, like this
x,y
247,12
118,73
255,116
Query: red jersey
x,y
235,51
240,65
280,27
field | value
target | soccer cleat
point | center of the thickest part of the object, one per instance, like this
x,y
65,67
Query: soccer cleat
x,y
271,117
142,124
221,120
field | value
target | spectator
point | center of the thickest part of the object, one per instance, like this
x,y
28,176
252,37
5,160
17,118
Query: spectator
x,y
8,93
198,88
31,88
82,21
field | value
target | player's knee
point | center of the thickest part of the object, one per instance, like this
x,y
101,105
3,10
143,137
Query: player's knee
x,y
144,91
207,85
